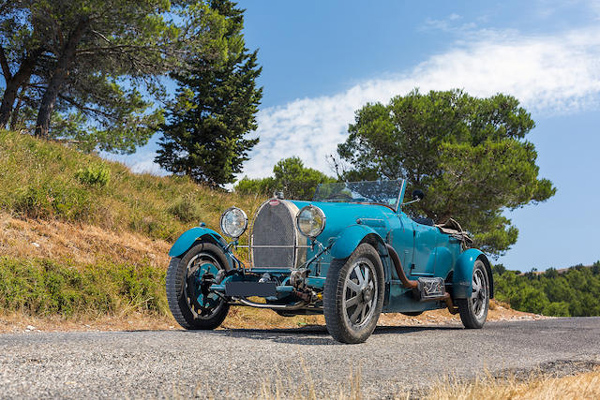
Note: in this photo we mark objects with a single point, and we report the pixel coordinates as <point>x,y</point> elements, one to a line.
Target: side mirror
<point>418,195</point>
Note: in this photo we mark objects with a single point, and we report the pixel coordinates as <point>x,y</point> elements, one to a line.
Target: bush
<point>186,209</point>
<point>94,175</point>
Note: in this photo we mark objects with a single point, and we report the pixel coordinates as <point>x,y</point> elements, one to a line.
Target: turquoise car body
<point>423,251</point>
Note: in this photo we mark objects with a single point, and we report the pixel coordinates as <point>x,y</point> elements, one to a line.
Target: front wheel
<point>353,295</point>
<point>192,307</point>
<point>474,310</point>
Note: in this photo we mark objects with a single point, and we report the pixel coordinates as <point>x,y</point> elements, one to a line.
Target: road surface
<point>249,363</point>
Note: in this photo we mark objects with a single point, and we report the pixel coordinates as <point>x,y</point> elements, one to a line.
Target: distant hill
<point>573,291</point>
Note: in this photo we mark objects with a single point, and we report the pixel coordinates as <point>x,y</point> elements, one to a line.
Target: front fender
<point>189,237</point>
<point>462,278</point>
<point>349,240</point>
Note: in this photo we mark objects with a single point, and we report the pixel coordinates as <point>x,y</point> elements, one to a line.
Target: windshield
<point>380,192</point>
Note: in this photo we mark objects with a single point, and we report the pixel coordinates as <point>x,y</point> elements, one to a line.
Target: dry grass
<point>135,321</point>
<point>238,318</point>
<point>83,244</point>
<point>537,387</point>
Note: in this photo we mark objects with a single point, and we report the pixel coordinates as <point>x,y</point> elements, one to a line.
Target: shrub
<point>94,175</point>
<point>186,209</point>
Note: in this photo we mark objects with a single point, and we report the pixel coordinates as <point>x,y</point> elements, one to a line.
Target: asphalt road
<point>247,363</point>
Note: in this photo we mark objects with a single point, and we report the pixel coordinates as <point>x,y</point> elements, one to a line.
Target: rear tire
<point>474,310</point>
<point>353,295</point>
<point>190,308</point>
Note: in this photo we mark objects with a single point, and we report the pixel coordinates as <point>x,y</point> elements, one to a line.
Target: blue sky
<point>322,60</point>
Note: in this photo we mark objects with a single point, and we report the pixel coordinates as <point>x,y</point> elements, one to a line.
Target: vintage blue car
<point>350,254</point>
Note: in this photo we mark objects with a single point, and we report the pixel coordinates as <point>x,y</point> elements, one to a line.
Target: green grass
<point>47,180</point>
<point>44,287</point>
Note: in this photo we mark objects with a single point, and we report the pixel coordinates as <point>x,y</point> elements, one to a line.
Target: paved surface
<point>242,363</point>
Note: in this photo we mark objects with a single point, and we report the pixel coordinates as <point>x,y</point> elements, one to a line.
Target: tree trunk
<point>14,119</point>
<point>8,100</point>
<point>61,71</point>
<point>13,83</point>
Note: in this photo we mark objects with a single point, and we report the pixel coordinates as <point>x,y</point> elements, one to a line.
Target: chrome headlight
<point>310,221</point>
<point>234,222</point>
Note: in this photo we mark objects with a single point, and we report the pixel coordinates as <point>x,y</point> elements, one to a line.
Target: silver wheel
<point>353,295</point>
<point>360,294</point>
<point>474,310</point>
<point>479,298</point>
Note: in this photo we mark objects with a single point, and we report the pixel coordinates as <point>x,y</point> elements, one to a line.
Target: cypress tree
<point>205,136</point>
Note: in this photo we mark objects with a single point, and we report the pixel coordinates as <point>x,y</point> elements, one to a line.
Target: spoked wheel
<point>473,311</point>
<point>192,306</point>
<point>353,295</point>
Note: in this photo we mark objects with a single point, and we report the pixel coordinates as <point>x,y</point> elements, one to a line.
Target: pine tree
<point>217,100</point>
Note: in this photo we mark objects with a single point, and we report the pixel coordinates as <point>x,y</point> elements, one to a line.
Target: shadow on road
<point>317,334</point>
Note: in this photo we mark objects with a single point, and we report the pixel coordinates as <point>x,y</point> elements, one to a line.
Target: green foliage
<point>469,155</point>
<point>44,287</point>
<point>94,175</point>
<point>261,187</point>
<point>290,176</point>
<point>186,209</point>
<point>574,292</point>
<point>53,198</point>
<point>217,100</point>
<point>88,68</point>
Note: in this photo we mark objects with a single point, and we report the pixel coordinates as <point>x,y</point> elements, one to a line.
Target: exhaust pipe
<point>411,284</point>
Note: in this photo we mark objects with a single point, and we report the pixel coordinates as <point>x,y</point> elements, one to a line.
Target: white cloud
<point>557,74</point>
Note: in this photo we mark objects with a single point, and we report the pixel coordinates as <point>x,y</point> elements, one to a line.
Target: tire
<point>353,297</point>
<point>474,310</point>
<point>190,308</point>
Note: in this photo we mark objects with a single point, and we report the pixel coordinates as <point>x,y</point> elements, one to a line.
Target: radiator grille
<point>274,227</point>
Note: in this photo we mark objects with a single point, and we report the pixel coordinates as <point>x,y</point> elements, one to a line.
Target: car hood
<point>341,215</point>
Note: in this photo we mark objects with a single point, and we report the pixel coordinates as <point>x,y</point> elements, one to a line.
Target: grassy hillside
<point>49,181</point>
<point>84,236</point>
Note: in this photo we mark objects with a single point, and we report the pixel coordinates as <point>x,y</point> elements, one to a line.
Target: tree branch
<point>4,6</point>
<point>5,67</point>
<point>82,107</point>
<point>101,36</point>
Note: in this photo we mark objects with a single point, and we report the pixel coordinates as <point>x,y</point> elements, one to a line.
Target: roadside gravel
<point>245,363</point>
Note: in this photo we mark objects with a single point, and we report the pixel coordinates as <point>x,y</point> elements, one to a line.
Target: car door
<point>424,250</point>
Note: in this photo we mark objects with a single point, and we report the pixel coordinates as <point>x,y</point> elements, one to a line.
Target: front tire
<point>474,310</point>
<point>353,295</point>
<point>189,306</point>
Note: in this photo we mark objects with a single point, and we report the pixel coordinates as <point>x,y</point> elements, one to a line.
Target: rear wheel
<point>192,307</point>
<point>353,295</point>
<point>474,310</point>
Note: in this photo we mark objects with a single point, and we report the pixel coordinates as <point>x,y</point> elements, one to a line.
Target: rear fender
<point>462,278</point>
<point>188,238</point>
